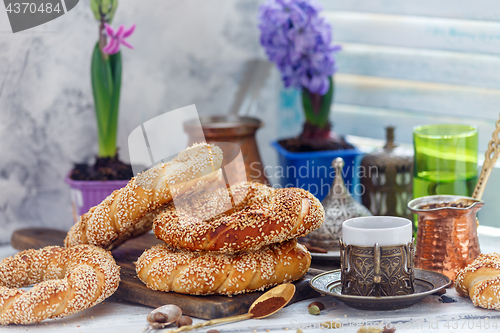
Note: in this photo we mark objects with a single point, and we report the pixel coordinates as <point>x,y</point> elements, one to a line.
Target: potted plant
<point>90,184</point>
<point>299,42</point>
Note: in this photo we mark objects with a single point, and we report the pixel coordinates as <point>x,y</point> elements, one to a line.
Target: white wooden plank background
<point>416,31</point>
<point>417,96</point>
<point>412,62</point>
<point>458,68</point>
<point>370,122</point>
<point>375,120</point>
<point>420,66</point>
<point>461,9</point>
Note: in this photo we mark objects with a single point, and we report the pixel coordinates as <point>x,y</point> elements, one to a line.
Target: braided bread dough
<point>262,217</point>
<point>481,281</point>
<point>125,213</point>
<point>203,273</point>
<point>67,280</point>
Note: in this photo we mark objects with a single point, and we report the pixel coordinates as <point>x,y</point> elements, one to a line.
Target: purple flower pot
<point>86,194</point>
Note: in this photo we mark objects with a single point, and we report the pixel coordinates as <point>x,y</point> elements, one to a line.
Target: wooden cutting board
<point>133,290</point>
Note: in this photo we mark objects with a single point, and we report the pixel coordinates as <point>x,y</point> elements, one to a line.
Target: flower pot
<point>313,171</point>
<point>86,194</point>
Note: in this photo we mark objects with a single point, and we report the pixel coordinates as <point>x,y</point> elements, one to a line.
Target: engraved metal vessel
<point>339,206</point>
<point>388,179</point>
<point>447,236</point>
<point>377,270</point>
<point>235,129</point>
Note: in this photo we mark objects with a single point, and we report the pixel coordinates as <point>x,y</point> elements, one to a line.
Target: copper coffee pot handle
<point>490,159</point>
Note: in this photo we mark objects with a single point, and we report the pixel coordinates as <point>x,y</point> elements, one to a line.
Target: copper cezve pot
<point>447,232</point>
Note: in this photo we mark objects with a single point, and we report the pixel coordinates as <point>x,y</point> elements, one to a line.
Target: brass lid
<point>390,154</point>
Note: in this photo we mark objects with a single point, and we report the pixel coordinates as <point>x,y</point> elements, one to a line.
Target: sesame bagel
<point>67,280</point>
<point>260,216</point>
<point>202,273</point>
<point>481,281</point>
<point>124,213</point>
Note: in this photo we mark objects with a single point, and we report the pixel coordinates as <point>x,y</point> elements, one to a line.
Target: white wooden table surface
<point>430,315</point>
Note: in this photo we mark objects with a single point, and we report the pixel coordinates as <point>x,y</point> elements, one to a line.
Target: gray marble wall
<point>190,51</point>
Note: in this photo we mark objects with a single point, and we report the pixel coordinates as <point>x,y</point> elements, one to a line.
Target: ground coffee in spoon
<point>268,306</point>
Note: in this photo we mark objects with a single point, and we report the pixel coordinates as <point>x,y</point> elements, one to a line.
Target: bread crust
<point>67,280</point>
<point>264,216</point>
<point>201,273</point>
<point>126,212</point>
<point>480,281</point>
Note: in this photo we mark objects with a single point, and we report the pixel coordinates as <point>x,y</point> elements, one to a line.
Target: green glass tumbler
<point>445,160</point>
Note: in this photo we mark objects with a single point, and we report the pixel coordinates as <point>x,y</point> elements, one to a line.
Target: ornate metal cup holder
<point>377,270</point>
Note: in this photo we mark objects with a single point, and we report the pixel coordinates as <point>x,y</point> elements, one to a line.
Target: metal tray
<point>426,283</point>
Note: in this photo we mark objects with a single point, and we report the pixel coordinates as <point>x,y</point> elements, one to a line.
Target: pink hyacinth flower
<point>117,38</point>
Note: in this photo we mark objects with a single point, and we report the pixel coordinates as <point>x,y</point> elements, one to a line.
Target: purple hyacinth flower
<point>116,39</point>
<point>298,41</point>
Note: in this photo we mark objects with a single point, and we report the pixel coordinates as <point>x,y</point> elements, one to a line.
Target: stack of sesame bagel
<point>251,246</point>
<point>217,240</point>
<point>71,279</point>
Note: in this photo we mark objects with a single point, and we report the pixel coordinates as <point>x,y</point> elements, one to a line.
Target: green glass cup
<point>445,160</point>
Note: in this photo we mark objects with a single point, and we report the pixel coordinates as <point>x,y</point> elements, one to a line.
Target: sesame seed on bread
<point>66,280</point>
<point>261,216</point>
<point>481,281</point>
<point>125,213</point>
<point>201,273</point>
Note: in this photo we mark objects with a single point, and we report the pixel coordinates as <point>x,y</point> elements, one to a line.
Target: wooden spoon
<point>284,291</point>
